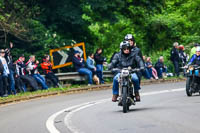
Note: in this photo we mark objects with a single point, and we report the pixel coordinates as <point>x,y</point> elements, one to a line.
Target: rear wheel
<point>188,87</point>
<point>124,99</point>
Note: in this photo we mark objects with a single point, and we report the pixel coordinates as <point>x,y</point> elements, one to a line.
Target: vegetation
<point>35,26</point>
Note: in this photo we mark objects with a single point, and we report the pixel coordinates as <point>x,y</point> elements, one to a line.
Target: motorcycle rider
<point>124,59</point>
<point>195,60</point>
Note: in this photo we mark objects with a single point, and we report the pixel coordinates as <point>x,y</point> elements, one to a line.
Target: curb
<point>83,89</point>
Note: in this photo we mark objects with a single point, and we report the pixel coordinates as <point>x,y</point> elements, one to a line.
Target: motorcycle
<point>193,80</point>
<point>126,97</point>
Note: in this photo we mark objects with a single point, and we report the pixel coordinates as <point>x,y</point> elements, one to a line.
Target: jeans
<point>146,73</point>
<point>40,80</point>
<point>134,79</point>
<point>87,72</point>
<point>12,82</point>
<point>161,71</point>
<point>100,72</point>
<point>150,72</point>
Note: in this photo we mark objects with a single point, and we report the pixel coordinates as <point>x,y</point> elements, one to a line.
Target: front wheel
<point>124,99</point>
<point>188,87</point>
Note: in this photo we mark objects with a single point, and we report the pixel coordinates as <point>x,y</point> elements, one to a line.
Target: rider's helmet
<point>198,49</point>
<point>129,37</point>
<point>124,44</point>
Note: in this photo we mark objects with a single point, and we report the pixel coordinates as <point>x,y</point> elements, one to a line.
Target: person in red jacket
<point>47,68</point>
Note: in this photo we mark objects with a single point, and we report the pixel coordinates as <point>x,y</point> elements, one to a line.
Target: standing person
<point>160,67</point>
<point>99,59</point>
<point>91,65</point>
<point>182,56</point>
<point>6,72</point>
<point>47,68</point>
<point>11,67</point>
<point>1,78</point>
<point>151,69</point>
<point>32,65</point>
<point>80,66</point>
<point>175,58</point>
<point>22,77</point>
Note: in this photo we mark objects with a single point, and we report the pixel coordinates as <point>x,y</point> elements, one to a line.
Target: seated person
<point>160,67</point>
<point>195,60</point>
<point>151,69</point>
<point>90,65</point>
<point>80,66</point>
<point>146,73</point>
<point>47,68</point>
<point>22,78</point>
<point>32,65</point>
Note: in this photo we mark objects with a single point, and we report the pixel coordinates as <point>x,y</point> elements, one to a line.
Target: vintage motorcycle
<point>193,79</point>
<point>126,97</point>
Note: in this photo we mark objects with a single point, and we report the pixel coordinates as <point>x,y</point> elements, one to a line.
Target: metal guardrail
<point>75,76</point>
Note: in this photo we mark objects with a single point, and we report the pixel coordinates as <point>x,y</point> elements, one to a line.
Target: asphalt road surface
<point>164,108</point>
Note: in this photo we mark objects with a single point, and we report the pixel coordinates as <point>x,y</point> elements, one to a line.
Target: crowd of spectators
<point>17,76</point>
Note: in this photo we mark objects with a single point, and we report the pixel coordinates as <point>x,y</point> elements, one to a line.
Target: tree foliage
<point>35,26</point>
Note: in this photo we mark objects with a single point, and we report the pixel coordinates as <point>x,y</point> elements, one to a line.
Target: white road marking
<point>68,122</point>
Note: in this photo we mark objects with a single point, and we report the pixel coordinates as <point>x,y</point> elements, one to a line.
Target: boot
<point>137,96</point>
<point>114,98</point>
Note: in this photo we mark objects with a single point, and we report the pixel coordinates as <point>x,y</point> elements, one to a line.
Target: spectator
<point>32,65</point>
<point>193,50</point>
<point>90,65</point>
<point>1,78</point>
<point>47,68</point>
<point>151,69</point>
<point>99,59</point>
<point>145,72</point>
<point>80,66</point>
<point>6,72</point>
<point>12,68</point>
<point>22,78</point>
<point>160,67</point>
<point>175,58</point>
<point>182,56</point>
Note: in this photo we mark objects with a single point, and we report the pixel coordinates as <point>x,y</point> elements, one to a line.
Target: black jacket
<point>174,55</point>
<point>99,59</point>
<point>9,60</point>
<point>121,60</point>
<point>137,51</point>
<point>159,65</point>
<point>77,63</point>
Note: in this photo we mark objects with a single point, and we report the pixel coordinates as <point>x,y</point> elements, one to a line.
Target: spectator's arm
<point>89,65</point>
<point>76,61</point>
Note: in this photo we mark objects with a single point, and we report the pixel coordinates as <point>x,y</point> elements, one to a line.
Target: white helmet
<point>129,37</point>
<point>124,44</point>
<point>198,49</point>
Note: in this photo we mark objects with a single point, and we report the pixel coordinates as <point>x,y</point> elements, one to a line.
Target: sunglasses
<point>125,48</point>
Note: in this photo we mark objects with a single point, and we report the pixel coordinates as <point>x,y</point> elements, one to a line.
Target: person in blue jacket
<point>91,63</point>
<point>195,60</point>
<point>80,67</point>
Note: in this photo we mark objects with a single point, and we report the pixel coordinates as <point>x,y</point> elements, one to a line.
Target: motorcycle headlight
<point>124,73</point>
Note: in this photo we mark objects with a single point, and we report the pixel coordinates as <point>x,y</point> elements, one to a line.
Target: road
<point>164,108</point>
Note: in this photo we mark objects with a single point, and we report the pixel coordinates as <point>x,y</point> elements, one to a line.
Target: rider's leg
<point>115,88</point>
<point>136,83</point>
